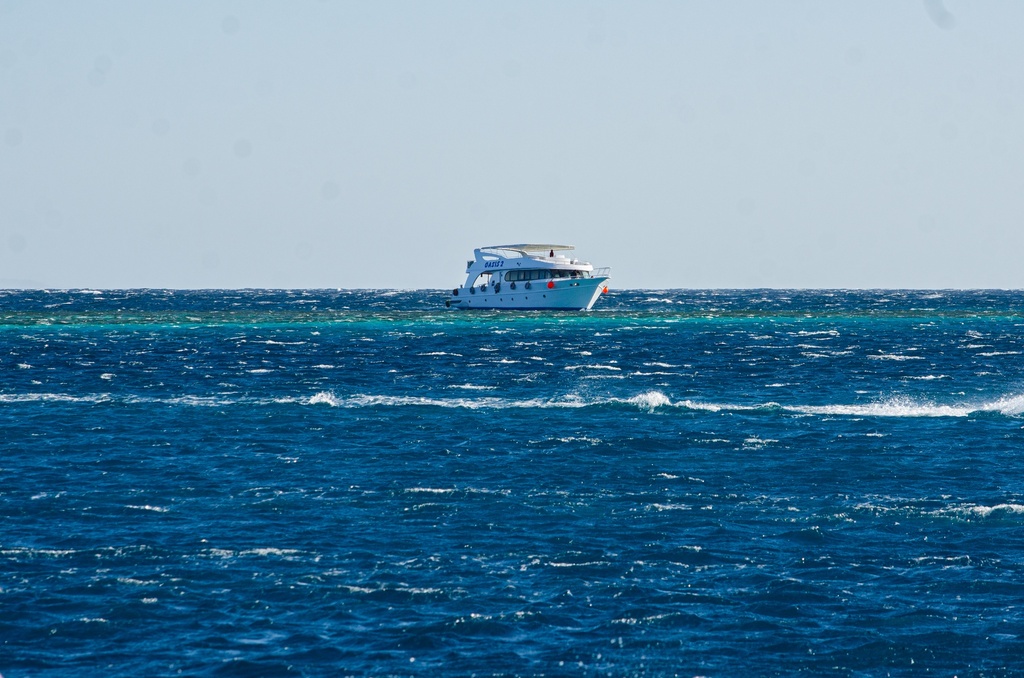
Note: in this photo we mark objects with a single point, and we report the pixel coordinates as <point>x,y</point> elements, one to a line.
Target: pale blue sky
<point>374,144</point>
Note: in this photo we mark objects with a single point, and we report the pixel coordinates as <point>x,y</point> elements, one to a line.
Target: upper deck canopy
<point>530,248</point>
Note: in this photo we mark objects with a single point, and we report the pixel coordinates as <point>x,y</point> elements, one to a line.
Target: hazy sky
<point>375,144</point>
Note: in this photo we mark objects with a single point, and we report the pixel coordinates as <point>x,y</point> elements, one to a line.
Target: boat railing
<point>604,271</point>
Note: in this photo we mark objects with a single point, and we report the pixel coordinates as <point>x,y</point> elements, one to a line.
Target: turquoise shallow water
<point>362,483</point>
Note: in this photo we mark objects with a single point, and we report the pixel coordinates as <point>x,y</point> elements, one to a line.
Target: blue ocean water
<point>250,483</point>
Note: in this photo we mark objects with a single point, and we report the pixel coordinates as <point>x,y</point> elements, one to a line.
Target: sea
<point>363,483</point>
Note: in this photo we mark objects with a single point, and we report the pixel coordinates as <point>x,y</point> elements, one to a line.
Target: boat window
<point>511,276</point>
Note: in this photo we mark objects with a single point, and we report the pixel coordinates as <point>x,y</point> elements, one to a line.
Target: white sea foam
<point>364,400</point>
<point>578,439</point>
<point>898,406</point>
<point>1010,405</point>
<point>269,551</point>
<point>649,400</point>
<point>219,553</point>
<point>484,490</point>
<point>895,407</point>
<point>590,563</point>
<point>24,551</point>
<point>420,590</point>
<point>53,397</point>
<point>671,507</point>
<point>976,511</point>
<point>908,407</point>
<point>191,401</point>
<point>965,511</point>
<point>147,507</point>
<point>698,406</point>
<point>324,398</point>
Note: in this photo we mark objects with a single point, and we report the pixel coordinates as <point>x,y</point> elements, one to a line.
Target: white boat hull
<point>565,295</point>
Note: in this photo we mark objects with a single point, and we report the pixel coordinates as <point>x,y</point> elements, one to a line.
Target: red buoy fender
<point>551,284</point>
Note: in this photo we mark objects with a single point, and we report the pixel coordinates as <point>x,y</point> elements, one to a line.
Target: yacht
<point>529,277</point>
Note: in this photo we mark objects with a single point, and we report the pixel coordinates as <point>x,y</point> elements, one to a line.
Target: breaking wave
<point>1011,405</point>
<point>649,401</point>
